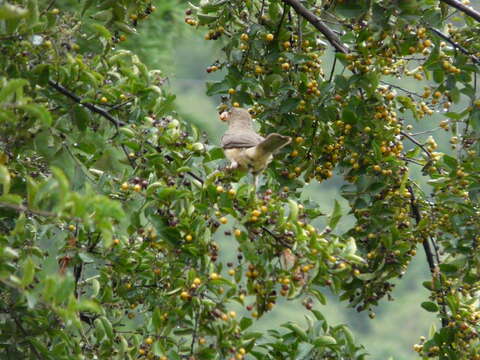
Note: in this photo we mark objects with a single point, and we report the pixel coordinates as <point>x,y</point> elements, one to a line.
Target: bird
<point>244,147</point>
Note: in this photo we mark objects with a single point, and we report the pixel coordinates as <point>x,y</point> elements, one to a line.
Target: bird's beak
<point>224,116</point>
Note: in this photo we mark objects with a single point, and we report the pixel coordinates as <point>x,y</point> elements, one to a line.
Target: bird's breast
<point>249,158</point>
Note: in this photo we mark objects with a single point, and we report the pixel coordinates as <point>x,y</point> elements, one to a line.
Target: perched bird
<point>244,147</point>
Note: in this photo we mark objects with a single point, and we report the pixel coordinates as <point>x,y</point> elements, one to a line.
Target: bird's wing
<point>233,139</point>
<point>273,142</point>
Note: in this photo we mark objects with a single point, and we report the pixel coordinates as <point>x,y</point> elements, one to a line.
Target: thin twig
<point>300,33</point>
<point>319,25</point>
<point>279,27</point>
<point>195,330</point>
<point>119,105</point>
<point>401,88</point>
<point>333,69</point>
<point>426,246</point>
<point>456,45</point>
<point>463,8</point>
<point>26,335</point>
<point>412,139</point>
<point>418,217</point>
<point>277,238</point>
<point>412,161</point>
<point>89,106</point>
<point>426,132</point>
<point>24,209</point>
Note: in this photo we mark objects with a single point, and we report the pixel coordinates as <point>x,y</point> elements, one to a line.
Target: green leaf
<point>320,296</point>
<point>366,276</point>
<point>351,247</point>
<point>31,299</point>
<point>28,272</point>
<point>324,340</point>
<point>448,268</point>
<point>125,27</point>
<point>62,180</point>
<point>430,306</point>
<point>289,105</point>
<point>38,112</point>
<point>301,334</point>
<point>293,206</point>
<point>157,348</point>
<point>4,179</point>
<point>245,323</point>
<point>107,325</point>
<point>10,11</point>
<point>11,88</point>
<point>214,88</point>
<point>86,5</point>
<point>101,30</point>
<point>157,319</point>
<point>335,216</point>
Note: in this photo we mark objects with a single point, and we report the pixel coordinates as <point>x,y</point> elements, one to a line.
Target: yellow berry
<point>188,238</point>
<point>223,220</point>
<point>214,276</point>
<point>269,37</point>
<point>418,76</point>
<point>256,213</point>
<point>137,188</point>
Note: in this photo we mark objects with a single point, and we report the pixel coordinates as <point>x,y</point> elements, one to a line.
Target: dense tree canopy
<point>110,202</point>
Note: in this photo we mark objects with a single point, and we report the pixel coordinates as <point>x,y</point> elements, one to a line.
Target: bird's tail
<point>272,143</point>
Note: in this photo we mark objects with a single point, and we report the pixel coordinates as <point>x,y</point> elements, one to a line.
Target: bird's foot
<point>232,167</point>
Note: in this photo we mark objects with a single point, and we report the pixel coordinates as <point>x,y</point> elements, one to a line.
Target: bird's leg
<point>256,180</point>
<point>233,166</point>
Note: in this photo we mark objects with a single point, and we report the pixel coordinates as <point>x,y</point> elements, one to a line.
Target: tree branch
<point>89,106</point>
<point>98,110</point>
<point>26,335</point>
<point>463,8</point>
<point>21,208</point>
<point>426,246</point>
<point>412,139</point>
<point>319,25</point>
<point>475,59</point>
<point>277,238</point>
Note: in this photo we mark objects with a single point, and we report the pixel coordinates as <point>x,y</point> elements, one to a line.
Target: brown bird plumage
<point>244,147</point>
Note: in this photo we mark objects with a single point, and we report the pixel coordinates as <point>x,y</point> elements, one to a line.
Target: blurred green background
<point>167,43</point>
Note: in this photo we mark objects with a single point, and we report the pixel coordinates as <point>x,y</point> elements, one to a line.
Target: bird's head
<point>236,115</point>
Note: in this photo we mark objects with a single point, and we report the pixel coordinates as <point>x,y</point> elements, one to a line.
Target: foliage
<point>109,202</point>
